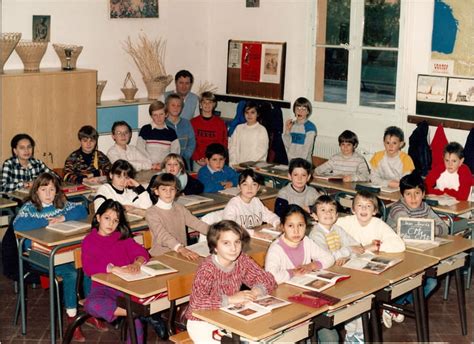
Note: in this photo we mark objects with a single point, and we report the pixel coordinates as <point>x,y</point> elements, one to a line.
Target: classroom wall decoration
<point>445,97</point>
<point>41,28</point>
<point>133,9</point>
<point>256,68</point>
<point>452,38</point>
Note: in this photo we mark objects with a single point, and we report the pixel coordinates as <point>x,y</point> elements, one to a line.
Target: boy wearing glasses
<point>122,150</point>
<point>299,134</point>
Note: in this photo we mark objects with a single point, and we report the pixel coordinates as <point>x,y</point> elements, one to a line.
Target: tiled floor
<point>444,320</point>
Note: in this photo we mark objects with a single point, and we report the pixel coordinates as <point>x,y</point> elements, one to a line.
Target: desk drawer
<point>405,286</point>
<point>446,267</point>
<point>351,310</point>
<point>292,335</point>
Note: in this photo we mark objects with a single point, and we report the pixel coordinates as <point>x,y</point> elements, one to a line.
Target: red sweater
<point>465,182</point>
<point>212,284</point>
<point>207,131</point>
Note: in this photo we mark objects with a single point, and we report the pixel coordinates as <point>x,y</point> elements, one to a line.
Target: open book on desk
<point>329,177</point>
<point>95,185</point>
<point>369,262</point>
<point>150,269</point>
<point>318,280</point>
<point>233,191</point>
<point>131,217</point>
<point>255,309</point>
<point>190,200</point>
<point>270,234</point>
<point>446,200</point>
<point>69,227</point>
<point>201,248</point>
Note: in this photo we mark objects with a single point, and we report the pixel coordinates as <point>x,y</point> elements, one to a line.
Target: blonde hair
<point>174,156</point>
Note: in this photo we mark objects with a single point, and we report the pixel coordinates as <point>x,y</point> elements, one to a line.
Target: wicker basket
<point>100,87</point>
<point>157,86</point>
<point>129,92</point>
<point>61,51</point>
<point>31,54</point>
<point>7,44</point>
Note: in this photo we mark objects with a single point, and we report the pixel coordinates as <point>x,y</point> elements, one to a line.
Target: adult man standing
<point>184,82</point>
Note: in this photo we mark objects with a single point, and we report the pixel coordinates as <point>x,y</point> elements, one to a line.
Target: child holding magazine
<point>220,276</point>
<point>293,254</point>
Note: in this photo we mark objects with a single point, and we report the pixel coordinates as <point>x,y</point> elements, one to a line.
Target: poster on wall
<point>41,28</point>
<point>461,91</point>
<point>133,9</point>
<point>432,89</point>
<point>452,34</point>
<point>250,62</point>
<point>235,53</point>
<point>270,68</point>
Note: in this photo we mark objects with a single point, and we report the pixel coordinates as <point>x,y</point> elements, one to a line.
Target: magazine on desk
<point>255,309</point>
<point>190,200</point>
<point>69,227</point>
<point>150,269</point>
<point>369,262</point>
<point>318,280</point>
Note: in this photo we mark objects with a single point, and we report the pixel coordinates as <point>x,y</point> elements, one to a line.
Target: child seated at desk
<point>220,277</point>
<point>217,175</point>
<point>373,235</point>
<point>109,247</point>
<point>174,164</point>
<point>294,254</point>
<point>156,140</point>
<point>168,220</point>
<point>22,168</point>
<point>123,188</point>
<point>122,133</point>
<point>48,205</point>
<point>208,129</point>
<point>454,178</point>
<point>249,142</point>
<point>247,209</point>
<point>300,133</point>
<point>348,163</point>
<point>87,163</point>
<point>297,191</point>
<point>389,165</point>
<point>328,235</point>
<point>411,204</point>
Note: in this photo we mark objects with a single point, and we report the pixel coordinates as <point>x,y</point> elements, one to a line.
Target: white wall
<point>197,32</point>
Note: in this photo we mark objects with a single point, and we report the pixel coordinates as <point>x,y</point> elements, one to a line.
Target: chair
<point>178,288</point>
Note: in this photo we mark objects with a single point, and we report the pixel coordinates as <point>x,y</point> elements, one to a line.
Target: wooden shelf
<point>446,123</point>
<point>117,102</point>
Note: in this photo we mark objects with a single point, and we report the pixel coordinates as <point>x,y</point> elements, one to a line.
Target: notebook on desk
<point>69,227</point>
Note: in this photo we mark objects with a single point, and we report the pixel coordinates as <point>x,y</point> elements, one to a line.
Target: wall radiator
<point>326,146</point>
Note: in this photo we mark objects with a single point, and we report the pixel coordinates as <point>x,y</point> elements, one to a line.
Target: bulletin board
<point>256,69</point>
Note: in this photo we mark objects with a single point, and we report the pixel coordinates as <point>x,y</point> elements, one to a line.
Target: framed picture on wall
<point>270,68</point>
<point>252,3</point>
<point>432,89</point>
<point>41,28</point>
<point>461,91</point>
<point>133,9</point>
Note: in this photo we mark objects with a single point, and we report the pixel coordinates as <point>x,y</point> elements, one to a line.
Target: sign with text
<point>416,229</point>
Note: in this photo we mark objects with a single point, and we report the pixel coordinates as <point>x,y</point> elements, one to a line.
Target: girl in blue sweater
<point>48,205</point>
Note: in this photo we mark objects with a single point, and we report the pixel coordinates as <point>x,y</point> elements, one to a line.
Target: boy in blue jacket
<point>217,175</point>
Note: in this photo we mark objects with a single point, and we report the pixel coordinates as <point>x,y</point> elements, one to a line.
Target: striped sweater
<point>354,166</point>
<point>157,143</point>
<point>214,283</point>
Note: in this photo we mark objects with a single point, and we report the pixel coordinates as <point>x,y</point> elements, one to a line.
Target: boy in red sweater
<point>454,178</point>
<point>207,129</point>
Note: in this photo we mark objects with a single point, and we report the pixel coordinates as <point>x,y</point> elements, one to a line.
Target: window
<point>357,53</point>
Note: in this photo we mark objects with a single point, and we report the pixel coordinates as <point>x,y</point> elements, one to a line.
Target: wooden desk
<point>268,325</point>
<point>8,205</point>
<point>449,250</point>
<point>55,241</point>
<point>402,278</point>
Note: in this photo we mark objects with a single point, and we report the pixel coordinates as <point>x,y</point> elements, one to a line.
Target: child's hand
<point>57,219</point>
<point>347,179</point>
<point>188,254</point>
<point>288,125</point>
<point>341,261</point>
<point>358,249</point>
<point>313,216</point>
<point>298,271</point>
<point>27,185</point>
<point>242,297</point>
<point>226,185</point>
<point>128,269</point>
<point>394,184</point>
<point>374,247</point>
<point>309,267</point>
<point>132,183</point>
<point>201,162</point>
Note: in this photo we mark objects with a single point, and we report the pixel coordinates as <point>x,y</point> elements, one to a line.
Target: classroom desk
<point>22,196</point>
<point>8,205</point>
<point>404,277</point>
<point>268,325</point>
<point>55,241</point>
<point>443,252</point>
<point>143,289</point>
<point>356,294</point>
